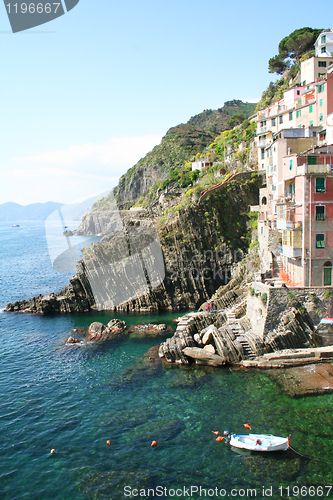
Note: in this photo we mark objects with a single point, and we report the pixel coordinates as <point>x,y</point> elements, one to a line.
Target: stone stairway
<point>276,271</point>
<point>247,350</point>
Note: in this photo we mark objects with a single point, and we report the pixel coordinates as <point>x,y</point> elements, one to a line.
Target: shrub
<point>165,183</point>
<point>251,292</point>
<point>327,294</point>
<point>264,298</point>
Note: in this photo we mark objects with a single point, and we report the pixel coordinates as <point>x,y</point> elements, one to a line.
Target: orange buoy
<point>247,426</point>
<point>108,442</point>
<point>52,451</point>
<point>216,433</point>
<point>154,443</point>
<point>220,438</point>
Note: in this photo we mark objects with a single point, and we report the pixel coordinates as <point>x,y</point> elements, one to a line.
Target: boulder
<point>202,357</point>
<point>197,339</point>
<point>116,326</point>
<point>208,335</point>
<point>210,348</point>
<point>99,332</point>
<point>95,329</point>
<point>72,340</point>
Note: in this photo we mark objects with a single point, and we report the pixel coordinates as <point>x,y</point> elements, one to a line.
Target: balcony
<point>307,169</point>
<point>291,251</point>
<point>288,224</point>
<point>262,143</point>
<point>262,130</point>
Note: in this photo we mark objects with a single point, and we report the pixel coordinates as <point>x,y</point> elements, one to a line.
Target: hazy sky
<point>88,94</point>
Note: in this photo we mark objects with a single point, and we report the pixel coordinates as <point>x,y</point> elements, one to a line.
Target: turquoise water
<point>75,398</point>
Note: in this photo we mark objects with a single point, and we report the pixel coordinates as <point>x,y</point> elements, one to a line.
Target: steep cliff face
<point>199,244</point>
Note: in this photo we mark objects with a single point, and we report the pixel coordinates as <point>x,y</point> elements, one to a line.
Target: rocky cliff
<point>199,244</point>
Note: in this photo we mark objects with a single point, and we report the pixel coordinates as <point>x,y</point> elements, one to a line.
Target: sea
<point>76,398</point>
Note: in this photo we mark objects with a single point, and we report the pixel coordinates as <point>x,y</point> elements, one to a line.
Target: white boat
<point>259,442</point>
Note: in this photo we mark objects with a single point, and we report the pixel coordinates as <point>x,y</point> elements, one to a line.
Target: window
<point>327,268</point>
<point>310,109</point>
<point>320,212</point>
<point>321,116</point>
<point>322,64</point>
<point>311,123</point>
<point>321,75</point>
<point>281,119</point>
<point>320,184</point>
<point>320,240</point>
<point>299,101</point>
<point>291,164</point>
<point>312,160</point>
<point>320,102</point>
<point>323,50</point>
<point>298,113</point>
<point>323,38</point>
<point>262,153</point>
<point>298,92</point>
<point>290,115</point>
<point>322,87</point>
<point>273,122</point>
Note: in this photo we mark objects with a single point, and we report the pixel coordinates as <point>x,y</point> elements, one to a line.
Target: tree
<point>292,47</point>
<point>277,64</point>
<point>235,120</point>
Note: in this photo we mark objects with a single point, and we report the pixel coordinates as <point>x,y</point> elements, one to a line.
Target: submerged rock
<point>149,330</point>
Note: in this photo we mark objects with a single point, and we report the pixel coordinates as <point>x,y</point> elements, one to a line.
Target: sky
<point>87,95</point>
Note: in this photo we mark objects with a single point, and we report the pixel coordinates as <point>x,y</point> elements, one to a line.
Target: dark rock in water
<point>72,340</point>
<point>159,429</point>
<point>67,425</point>
<point>110,485</point>
<point>123,420</point>
<point>304,380</point>
<point>149,330</point>
<point>149,366</point>
<point>98,332</point>
<point>116,325</point>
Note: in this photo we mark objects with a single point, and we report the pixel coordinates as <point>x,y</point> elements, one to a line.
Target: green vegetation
<point>264,298</point>
<point>293,49</point>
<point>171,159</point>
<point>327,294</point>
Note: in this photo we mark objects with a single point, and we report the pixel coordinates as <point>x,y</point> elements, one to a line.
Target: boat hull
<point>259,442</point>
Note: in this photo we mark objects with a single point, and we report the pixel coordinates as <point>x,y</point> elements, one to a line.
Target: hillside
<point>179,145</point>
<point>14,212</point>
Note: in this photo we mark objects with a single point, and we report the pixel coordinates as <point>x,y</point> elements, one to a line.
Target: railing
<point>288,224</point>
<point>262,130</point>
<point>313,169</point>
<point>262,143</point>
<point>291,251</point>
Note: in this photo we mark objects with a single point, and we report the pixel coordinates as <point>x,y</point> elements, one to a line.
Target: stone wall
<point>256,306</point>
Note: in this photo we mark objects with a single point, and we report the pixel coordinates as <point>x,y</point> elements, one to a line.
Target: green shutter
<point>320,185</point>
<point>320,241</point>
<point>312,160</point>
<point>327,276</point>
